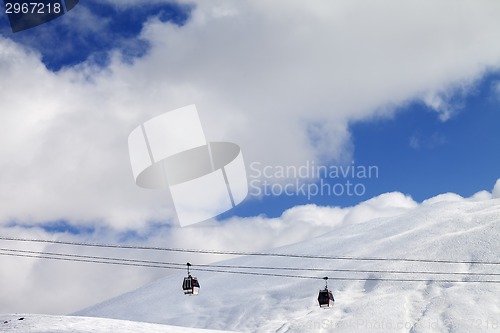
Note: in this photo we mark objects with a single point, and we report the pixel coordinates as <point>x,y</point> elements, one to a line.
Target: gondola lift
<point>190,285</point>
<point>325,296</point>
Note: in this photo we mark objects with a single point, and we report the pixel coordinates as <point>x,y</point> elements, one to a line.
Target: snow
<point>446,227</point>
<point>69,324</point>
<point>457,229</point>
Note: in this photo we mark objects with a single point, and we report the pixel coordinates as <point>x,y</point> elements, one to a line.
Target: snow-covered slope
<point>67,324</point>
<point>459,230</point>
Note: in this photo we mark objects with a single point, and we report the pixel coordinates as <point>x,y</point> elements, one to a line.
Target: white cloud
<point>283,79</point>
<point>481,196</point>
<point>496,190</point>
<point>384,205</point>
<point>445,197</point>
<point>438,104</point>
<point>478,196</point>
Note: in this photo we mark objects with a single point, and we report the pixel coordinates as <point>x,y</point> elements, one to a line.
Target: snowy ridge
<point>456,230</point>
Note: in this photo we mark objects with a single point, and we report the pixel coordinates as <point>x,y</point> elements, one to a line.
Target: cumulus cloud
<point>385,205</point>
<point>495,193</point>
<point>282,79</point>
<point>445,197</point>
<point>481,196</point>
<point>453,197</point>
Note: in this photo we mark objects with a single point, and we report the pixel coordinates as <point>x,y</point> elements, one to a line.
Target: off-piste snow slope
<point>68,324</point>
<point>457,230</point>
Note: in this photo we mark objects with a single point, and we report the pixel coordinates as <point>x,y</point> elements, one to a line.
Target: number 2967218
<point>32,8</point>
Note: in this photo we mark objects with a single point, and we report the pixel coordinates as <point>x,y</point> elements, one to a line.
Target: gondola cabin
<point>191,286</point>
<point>325,298</point>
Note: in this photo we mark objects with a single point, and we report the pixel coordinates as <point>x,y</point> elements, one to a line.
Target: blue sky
<point>459,155</point>
<point>64,42</point>
<point>418,154</point>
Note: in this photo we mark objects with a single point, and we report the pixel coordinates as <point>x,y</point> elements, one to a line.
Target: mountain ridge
<point>462,230</point>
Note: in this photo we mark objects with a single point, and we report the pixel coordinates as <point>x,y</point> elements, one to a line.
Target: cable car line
<point>247,267</point>
<point>241,253</point>
<point>92,257</point>
<point>347,270</point>
<point>88,260</point>
<point>242,272</point>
